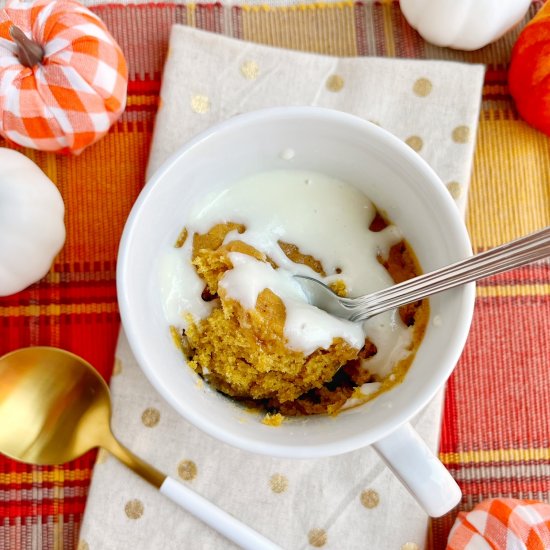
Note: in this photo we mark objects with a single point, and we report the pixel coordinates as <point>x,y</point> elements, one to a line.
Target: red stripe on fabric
<point>208,17</point>
<point>360,28</point>
<point>449,437</point>
<point>44,508</point>
<point>67,483</point>
<point>93,336</point>
<point>512,403</point>
<point>496,74</point>
<point>531,274</point>
<point>237,21</point>
<point>146,6</point>
<point>497,97</point>
<point>409,43</point>
<point>144,87</point>
<point>498,463</point>
<point>506,488</point>
<point>85,267</point>
<point>142,108</point>
<point>379,30</point>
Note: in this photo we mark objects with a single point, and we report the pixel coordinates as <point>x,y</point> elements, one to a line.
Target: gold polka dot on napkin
<point>200,103</point>
<point>334,83</point>
<point>278,483</point>
<point>461,134</point>
<point>415,143</point>
<point>370,498</point>
<point>187,470</point>
<point>250,70</point>
<point>317,537</point>
<point>134,508</point>
<point>150,417</point>
<point>422,87</point>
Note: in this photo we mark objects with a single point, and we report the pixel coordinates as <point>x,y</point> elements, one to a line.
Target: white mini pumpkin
<point>463,24</point>
<point>32,230</point>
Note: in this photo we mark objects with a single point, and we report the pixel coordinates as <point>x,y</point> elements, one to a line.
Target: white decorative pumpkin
<point>463,24</point>
<point>32,230</point>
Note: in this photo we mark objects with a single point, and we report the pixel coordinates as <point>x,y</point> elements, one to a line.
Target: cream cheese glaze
<point>307,328</point>
<point>327,219</point>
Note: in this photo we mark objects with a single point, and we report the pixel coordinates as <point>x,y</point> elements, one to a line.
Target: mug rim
<point>238,440</point>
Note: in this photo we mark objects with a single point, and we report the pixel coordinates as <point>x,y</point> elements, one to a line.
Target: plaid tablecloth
<point>495,436</point>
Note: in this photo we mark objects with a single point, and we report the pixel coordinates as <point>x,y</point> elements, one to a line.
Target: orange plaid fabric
<point>70,99</point>
<point>502,524</point>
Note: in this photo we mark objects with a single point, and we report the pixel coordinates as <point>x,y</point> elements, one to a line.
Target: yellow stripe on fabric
<point>510,189</point>
<point>496,455</point>
<point>495,89</point>
<point>52,476</point>
<point>328,31</point>
<point>56,278</point>
<point>54,310</point>
<point>300,7</point>
<point>140,100</point>
<point>504,291</point>
<point>191,13</point>
<point>388,30</point>
<point>50,167</point>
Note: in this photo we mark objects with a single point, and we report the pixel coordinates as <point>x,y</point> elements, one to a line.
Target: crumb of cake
<point>182,237</point>
<point>358,393</point>
<point>339,287</point>
<point>293,253</point>
<point>275,419</point>
<point>368,350</point>
<point>213,239</point>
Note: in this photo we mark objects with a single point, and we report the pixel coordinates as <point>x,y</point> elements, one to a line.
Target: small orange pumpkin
<point>529,73</point>
<point>63,78</point>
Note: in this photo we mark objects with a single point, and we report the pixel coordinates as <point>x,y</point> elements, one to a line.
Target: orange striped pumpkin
<point>63,78</point>
<point>503,523</point>
<point>529,74</point>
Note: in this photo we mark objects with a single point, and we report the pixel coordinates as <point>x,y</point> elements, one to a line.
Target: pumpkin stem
<point>30,53</point>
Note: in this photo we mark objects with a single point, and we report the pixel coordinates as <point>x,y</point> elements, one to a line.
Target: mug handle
<point>422,473</point>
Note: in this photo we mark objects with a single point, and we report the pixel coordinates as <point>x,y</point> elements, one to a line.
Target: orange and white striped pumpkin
<point>63,78</point>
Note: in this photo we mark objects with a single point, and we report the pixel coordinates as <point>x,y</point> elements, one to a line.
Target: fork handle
<point>530,248</point>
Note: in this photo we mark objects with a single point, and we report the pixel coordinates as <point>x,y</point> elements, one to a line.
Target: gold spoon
<point>54,406</point>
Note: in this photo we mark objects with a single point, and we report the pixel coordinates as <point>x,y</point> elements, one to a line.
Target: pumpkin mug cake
<point>243,322</point>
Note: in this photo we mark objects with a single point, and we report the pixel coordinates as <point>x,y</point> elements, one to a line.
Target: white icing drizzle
<point>327,219</point>
<point>307,328</point>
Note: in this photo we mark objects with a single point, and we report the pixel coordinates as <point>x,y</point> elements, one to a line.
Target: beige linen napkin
<point>344,502</point>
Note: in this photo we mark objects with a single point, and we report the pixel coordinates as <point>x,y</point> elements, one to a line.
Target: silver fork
<point>524,250</point>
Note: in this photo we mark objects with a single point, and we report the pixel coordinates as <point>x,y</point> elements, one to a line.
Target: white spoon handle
<point>215,517</point>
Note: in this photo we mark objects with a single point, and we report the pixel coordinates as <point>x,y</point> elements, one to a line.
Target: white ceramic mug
<point>401,184</point>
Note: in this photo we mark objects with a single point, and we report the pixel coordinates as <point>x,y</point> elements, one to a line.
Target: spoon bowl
<point>54,406</point>
<point>58,406</point>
